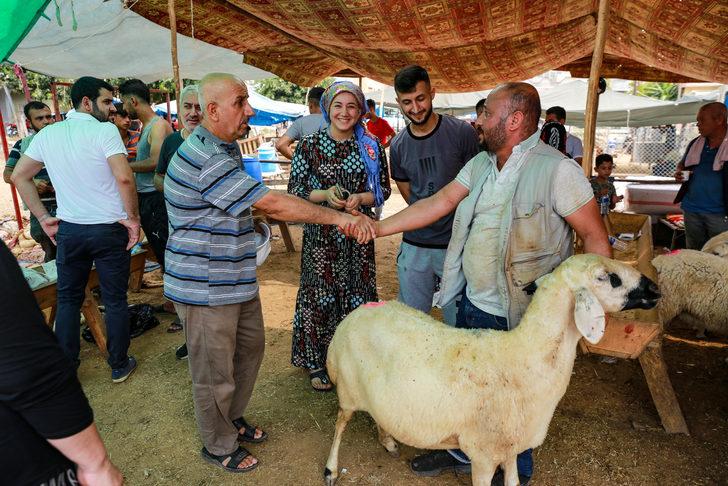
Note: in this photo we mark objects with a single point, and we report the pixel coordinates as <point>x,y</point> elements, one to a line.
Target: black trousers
<point>153,213</point>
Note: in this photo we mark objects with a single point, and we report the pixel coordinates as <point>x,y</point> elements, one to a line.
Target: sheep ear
<point>588,315</point>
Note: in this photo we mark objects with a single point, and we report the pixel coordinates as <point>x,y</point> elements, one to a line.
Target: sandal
<point>323,377</point>
<point>249,434</point>
<point>434,463</point>
<point>176,326</point>
<point>236,458</point>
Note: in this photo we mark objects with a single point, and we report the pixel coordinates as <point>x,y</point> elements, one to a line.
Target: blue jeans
<point>470,317</point>
<point>79,247</point>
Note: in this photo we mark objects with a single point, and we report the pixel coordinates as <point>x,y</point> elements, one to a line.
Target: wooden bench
<point>46,297</point>
<point>637,334</point>
<point>250,145</point>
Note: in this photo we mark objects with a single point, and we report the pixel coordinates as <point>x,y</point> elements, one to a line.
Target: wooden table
<point>638,334</point>
<point>46,298</point>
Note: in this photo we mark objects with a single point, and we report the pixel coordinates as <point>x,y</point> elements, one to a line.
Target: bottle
<point>617,244</point>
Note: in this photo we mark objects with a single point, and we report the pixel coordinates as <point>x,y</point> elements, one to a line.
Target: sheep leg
<point>331,473</point>
<point>483,469</point>
<point>510,472</point>
<point>388,442</point>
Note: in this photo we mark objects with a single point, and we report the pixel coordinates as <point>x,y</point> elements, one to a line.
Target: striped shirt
<point>210,257</point>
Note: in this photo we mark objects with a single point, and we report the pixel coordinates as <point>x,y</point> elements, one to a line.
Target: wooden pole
<point>592,100</point>
<point>175,62</point>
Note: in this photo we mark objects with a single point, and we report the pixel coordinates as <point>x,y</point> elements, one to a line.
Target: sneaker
<point>121,374</point>
<point>181,352</point>
<point>437,462</point>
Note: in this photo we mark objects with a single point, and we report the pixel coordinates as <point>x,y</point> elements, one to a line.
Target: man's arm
<point>425,211</point>
<point>283,145</point>
<point>285,207</point>
<point>404,189</point>
<point>589,226</point>
<point>127,189</point>
<point>7,172</point>
<point>159,132</point>
<point>88,451</point>
<point>22,177</point>
<point>159,182</point>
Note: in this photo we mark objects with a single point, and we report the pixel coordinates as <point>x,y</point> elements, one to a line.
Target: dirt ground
<point>605,431</point>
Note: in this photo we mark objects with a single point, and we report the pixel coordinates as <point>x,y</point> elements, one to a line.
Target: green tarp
<point>17,17</point>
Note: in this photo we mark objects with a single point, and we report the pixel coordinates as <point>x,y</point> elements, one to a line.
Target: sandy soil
<point>605,431</point>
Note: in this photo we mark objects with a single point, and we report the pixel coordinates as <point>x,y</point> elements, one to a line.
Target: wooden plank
<point>625,338</point>
<point>663,395</point>
<point>94,321</point>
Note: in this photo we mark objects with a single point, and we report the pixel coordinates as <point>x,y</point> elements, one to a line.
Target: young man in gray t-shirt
<point>425,157</point>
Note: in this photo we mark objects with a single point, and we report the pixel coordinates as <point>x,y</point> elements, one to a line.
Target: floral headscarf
<point>368,147</point>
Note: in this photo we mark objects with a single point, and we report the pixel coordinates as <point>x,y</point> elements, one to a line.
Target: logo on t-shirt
<point>428,165</point>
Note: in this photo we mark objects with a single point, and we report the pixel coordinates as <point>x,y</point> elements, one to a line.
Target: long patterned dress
<point>337,273</point>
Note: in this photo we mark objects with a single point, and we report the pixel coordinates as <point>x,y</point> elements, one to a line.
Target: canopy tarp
<point>16,19</point>
<point>111,41</point>
<point>615,109</point>
<point>466,45</point>
<point>267,111</point>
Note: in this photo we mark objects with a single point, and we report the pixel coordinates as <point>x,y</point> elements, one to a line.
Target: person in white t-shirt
<point>574,147</point>
<point>97,221</point>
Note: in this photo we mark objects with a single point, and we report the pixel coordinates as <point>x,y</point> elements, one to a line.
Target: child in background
<point>602,182</point>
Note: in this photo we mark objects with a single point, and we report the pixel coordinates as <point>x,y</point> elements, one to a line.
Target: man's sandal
<point>323,377</point>
<point>236,458</point>
<point>249,434</point>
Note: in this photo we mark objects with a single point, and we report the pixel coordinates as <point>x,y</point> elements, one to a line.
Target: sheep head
<point>601,285</point>
<point>717,245</point>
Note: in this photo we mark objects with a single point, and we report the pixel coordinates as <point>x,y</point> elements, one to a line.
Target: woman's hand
<point>353,202</point>
<point>333,199</point>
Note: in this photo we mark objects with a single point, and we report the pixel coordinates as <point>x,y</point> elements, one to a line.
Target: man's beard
<point>495,138</point>
<point>98,114</point>
<point>425,120</point>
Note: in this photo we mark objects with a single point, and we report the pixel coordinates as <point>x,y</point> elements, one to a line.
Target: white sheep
<point>490,393</point>
<point>717,245</point>
<point>694,286</point>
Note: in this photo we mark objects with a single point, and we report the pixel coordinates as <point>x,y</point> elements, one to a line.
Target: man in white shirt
<point>574,147</point>
<point>98,217</point>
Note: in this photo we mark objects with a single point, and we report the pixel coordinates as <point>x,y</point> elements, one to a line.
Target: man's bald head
<point>213,85</point>
<point>521,97</point>
<point>224,101</point>
<point>712,120</point>
<point>716,110</point>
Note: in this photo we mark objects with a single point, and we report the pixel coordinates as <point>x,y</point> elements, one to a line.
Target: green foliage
<point>660,91</point>
<point>40,86</point>
<point>281,90</point>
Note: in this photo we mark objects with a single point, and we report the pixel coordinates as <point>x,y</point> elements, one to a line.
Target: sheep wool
<point>694,285</point>
<point>491,393</point>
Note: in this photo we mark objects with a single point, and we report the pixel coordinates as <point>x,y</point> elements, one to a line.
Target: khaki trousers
<point>225,345</point>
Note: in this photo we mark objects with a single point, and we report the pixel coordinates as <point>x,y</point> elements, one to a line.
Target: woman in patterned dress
<point>344,168</point>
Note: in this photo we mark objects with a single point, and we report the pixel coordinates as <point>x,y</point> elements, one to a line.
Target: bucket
<point>262,243</point>
<point>267,152</point>
<point>253,168</point>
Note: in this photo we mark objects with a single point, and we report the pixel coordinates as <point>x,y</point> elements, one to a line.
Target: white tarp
<point>113,42</point>
<point>615,109</point>
<point>258,102</point>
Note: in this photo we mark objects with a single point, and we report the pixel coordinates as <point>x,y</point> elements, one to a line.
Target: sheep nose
<point>644,296</point>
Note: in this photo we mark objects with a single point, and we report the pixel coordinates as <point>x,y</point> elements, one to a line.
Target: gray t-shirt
<point>145,180</point>
<point>429,163</point>
<point>306,125</point>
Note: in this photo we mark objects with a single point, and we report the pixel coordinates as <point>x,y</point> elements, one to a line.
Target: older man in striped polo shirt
<point>210,265</point>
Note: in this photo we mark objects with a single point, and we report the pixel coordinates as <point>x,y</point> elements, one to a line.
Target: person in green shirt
<point>39,116</point>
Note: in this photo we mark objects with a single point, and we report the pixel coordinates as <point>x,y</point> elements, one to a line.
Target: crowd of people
<point>490,209</point>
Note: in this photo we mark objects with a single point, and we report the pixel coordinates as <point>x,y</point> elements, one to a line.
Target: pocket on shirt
<point>528,238</point>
